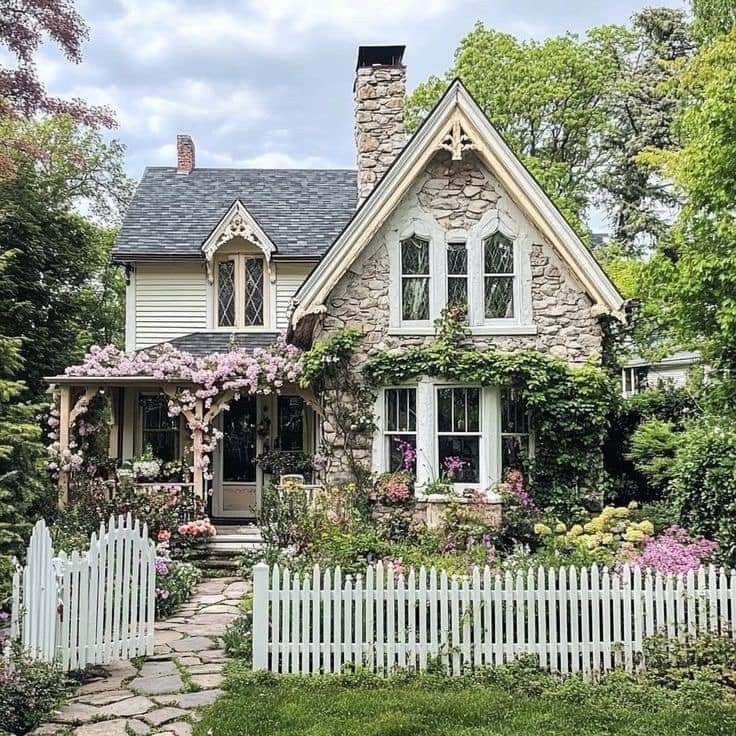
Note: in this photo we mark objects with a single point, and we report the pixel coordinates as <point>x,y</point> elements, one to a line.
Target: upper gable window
<point>241,288</point>
<point>498,277</point>
<point>415,279</point>
<point>457,274</point>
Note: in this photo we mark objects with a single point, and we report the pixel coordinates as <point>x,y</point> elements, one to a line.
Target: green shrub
<point>238,637</point>
<point>703,488</point>
<point>28,692</point>
<point>653,448</point>
<point>175,582</point>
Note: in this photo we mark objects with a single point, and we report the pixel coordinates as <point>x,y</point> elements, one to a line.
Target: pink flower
<point>674,552</point>
<point>164,535</point>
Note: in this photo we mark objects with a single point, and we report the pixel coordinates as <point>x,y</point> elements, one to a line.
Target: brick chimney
<point>184,154</point>
<point>380,88</point>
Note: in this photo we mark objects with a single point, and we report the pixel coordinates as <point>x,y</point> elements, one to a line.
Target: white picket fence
<point>90,608</point>
<point>574,620</point>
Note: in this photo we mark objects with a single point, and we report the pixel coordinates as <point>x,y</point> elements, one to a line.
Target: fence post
<point>260,616</point>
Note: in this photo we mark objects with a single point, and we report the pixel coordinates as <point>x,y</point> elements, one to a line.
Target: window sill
<point>475,330</point>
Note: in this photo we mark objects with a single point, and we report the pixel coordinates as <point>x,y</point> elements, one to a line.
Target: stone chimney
<point>380,88</point>
<point>184,154</point>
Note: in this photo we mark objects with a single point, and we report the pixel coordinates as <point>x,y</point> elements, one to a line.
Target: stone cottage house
<point>224,258</point>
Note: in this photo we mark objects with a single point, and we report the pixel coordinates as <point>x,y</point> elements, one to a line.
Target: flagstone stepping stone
<point>157,669</point>
<point>166,636</point>
<point>138,727</point>
<point>236,590</point>
<point>103,728</point>
<point>192,644</point>
<point>180,728</point>
<point>189,660</point>
<point>217,608</point>
<point>48,729</point>
<point>99,686</point>
<point>157,685</point>
<point>198,699</point>
<point>76,713</point>
<point>206,669</point>
<point>163,715</point>
<point>208,600</point>
<point>207,681</point>
<point>211,587</point>
<point>213,655</point>
<point>133,706</point>
<point>104,698</point>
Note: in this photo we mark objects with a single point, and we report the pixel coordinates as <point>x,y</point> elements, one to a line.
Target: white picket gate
<point>89,608</point>
<point>574,620</point>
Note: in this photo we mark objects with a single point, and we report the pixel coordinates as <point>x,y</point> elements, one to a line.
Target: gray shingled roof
<point>204,343</point>
<point>301,210</point>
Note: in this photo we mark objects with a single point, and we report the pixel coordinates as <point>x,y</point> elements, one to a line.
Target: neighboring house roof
<point>456,124</point>
<point>678,358</point>
<point>301,210</point>
<point>200,344</point>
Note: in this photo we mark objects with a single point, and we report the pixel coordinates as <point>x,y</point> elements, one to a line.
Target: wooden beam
<point>65,404</point>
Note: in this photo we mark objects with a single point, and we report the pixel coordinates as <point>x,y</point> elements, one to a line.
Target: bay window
<point>415,279</point>
<point>399,426</point>
<point>459,432</point>
<point>241,282</point>
<point>498,277</point>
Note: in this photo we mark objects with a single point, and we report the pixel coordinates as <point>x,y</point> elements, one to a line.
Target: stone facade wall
<point>379,122</point>
<point>457,195</point>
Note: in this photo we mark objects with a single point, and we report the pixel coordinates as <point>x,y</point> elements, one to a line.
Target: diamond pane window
<point>226,294</point>
<point>498,277</point>
<point>414,279</point>
<point>253,294</point>
<point>457,273</point>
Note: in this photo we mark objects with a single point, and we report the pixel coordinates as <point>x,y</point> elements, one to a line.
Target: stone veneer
<point>379,121</point>
<point>457,195</point>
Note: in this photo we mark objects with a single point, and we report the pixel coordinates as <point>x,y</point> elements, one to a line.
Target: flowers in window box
<point>394,488</point>
<point>146,467</point>
<point>453,467</point>
<point>285,462</point>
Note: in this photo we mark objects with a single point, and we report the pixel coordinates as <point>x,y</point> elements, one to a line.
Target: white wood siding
<point>289,277</point>
<point>170,300</point>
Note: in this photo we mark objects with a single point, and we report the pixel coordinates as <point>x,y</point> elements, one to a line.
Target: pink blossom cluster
<point>674,552</point>
<point>394,488</point>
<point>408,454</point>
<point>453,466</point>
<point>197,528</point>
<point>514,486</point>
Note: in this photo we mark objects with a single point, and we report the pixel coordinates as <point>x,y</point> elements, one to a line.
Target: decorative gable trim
<point>458,125</point>
<point>237,222</point>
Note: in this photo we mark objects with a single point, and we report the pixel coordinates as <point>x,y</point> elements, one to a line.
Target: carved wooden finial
<point>457,141</point>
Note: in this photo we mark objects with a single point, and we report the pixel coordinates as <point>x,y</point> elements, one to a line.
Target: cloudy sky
<point>269,82</point>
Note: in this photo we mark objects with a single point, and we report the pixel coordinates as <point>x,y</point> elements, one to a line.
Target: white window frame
<point>429,278</point>
<point>466,276</point>
<point>387,435</point>
<point>239,275</point>
<point>529,435</point>
<point>514,276</point>
<point>140,432</point>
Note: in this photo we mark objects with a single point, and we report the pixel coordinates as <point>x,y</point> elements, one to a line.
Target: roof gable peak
<point>236,222</point>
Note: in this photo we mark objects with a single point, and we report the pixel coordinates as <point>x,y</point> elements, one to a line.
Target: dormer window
<point>498,277</point>
<point>241,287</point>
<point>415,279</point>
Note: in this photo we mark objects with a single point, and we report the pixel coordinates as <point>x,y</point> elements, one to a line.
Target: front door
<point>235,488</point>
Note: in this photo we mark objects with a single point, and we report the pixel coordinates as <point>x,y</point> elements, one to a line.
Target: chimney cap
<point>380,56</point>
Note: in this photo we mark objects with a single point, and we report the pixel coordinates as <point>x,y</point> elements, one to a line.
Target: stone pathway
<point>160,695</point>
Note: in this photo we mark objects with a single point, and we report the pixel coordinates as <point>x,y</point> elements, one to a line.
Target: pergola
<point>75,393</point>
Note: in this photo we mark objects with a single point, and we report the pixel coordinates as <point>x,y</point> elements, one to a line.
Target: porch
<point>218,436</point>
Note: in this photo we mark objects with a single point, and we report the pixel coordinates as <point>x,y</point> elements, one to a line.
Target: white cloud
<point>267,160</point>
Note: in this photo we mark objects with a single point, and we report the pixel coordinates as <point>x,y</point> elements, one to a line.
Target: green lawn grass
<point>324,707</point>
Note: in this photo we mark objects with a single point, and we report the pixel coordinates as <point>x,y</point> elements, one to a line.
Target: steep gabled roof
<point>456,124</point>
<point>301,211</point>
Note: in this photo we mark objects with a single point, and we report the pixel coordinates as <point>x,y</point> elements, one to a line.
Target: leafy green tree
<point>689,286</point>
<point>713,18</point>
<point>642,105</point>
<point>58,291</point>
<point>548,99</point>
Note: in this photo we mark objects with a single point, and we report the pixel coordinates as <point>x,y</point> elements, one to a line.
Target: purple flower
<point>162,566</point>
<point>453,466</point>
<point>674,552</point>
<point>408,454</point>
